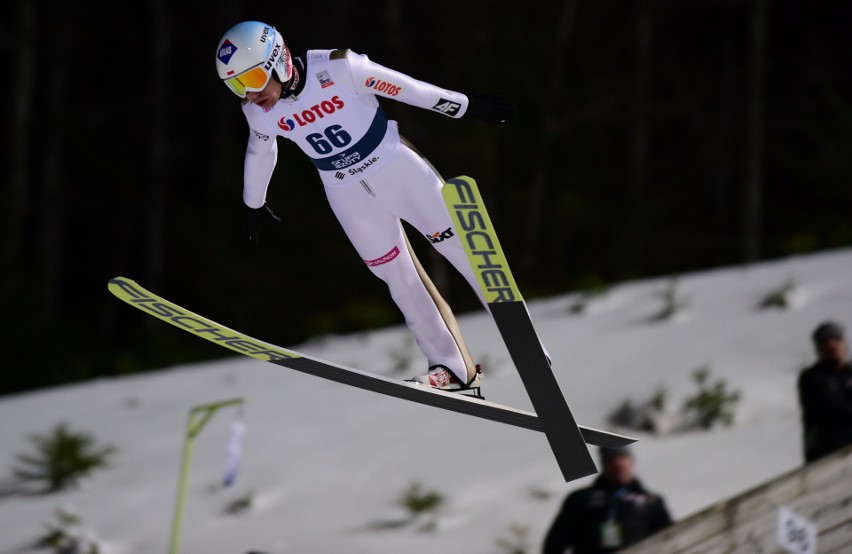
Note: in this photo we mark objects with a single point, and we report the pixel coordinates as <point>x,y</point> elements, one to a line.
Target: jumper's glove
<point>256,216</point>
<point>496,107</point>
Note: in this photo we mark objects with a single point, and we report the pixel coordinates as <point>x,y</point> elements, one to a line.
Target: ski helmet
<point>247,55</point>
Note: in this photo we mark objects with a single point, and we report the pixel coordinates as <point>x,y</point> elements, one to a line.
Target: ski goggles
<point>254,79</point>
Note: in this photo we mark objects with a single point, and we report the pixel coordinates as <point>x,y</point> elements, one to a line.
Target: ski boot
<point>440,377</point>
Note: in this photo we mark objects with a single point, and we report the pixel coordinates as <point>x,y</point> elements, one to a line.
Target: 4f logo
<point>447,106</point>
<point>441,236</point>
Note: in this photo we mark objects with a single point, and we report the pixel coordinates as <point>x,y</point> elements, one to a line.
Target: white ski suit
<point>371,177</point>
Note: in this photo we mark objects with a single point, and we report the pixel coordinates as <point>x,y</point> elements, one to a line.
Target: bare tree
<point>721,144</point>
<point>50,213</point>
<point>551,128</point>
<point>159,145</point>
<point>754,131</point>
<point>639,136</point>
<point>14,202</point>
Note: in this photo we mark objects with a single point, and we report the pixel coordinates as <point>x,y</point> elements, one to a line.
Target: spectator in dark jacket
<point>615,512</point>
<point>825,394</point>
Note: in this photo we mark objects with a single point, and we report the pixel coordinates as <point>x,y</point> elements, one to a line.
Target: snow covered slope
<point>326,464</point>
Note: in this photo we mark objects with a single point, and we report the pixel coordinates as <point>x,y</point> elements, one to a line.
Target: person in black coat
<point>825,394</point>
<point>615,512</point>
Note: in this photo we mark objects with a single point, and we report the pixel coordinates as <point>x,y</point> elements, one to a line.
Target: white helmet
<point>247,54</point>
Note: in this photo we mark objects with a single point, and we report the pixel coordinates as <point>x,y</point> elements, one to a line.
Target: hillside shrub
<point>714,402</point>
<point>421,504</point>
<point>673,303</point>
<point>66,536</point>
<point>61,458</point>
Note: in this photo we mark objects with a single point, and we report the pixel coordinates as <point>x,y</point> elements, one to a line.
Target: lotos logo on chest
<point>286,124</point>
<point>317,111</point>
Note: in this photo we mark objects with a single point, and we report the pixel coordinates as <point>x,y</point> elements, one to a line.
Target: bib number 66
<point>332,137</point>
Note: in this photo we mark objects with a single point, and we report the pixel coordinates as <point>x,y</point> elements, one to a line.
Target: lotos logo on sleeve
<point>382,86</point>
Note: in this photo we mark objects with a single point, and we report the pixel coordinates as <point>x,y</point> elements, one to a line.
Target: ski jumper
<point>372,177</point>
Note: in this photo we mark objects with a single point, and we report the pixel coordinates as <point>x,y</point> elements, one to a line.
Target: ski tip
<point>117,283</point>
<point>462,178</point>
<point>463,181</point>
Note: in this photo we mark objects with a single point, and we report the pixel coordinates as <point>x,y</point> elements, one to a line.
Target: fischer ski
<point>134,294</point>
<point>509,311</point>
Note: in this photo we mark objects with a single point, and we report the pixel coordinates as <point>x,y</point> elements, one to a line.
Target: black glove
<point>256,216</point>
<point>496,107</point>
